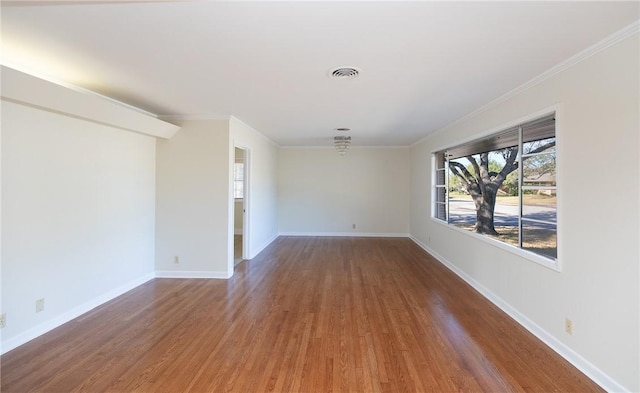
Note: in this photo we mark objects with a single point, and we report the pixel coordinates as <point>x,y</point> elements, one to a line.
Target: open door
<point>239,205</point>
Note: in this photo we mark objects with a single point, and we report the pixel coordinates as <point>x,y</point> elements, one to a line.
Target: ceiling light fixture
<point>344,72</point>
<point>342,144</point>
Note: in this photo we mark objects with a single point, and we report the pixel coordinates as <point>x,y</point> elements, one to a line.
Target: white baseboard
<point>265,245</point>
<point>345,234</point>
<point>591,371</point>
<point>75,312</point>
<point>191,274</point>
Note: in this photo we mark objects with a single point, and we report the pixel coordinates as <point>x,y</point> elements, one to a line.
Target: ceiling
<point>423,64</point>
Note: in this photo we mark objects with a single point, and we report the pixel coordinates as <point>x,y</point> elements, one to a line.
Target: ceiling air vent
<point>344,72</point>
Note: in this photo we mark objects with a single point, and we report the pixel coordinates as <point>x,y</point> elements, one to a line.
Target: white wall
<point>321,192</point>
<point>194,214</point>
<point>78,217</point>
<point>261,198</point>
<point>192,201</point>
<point>598,187</point>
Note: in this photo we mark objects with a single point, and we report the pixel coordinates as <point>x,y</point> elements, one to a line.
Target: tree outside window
<point>503,186</point>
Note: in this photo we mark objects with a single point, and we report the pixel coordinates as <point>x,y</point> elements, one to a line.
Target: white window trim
<point>552,264</point>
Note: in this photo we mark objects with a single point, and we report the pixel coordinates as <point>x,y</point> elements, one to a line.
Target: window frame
<point>238,180</point>
<point>549,262</point>
<point>437,186</point>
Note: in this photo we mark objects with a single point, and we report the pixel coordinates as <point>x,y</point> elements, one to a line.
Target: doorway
<point>239,204</point>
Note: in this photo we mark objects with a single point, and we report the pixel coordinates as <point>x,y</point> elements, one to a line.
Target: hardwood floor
<point>306,315</point>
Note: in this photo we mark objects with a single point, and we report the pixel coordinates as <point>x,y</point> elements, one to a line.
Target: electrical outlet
<point>353,226</point>
<point>3,320</point>
<point>176,259</point>
<point>40,305</point>
<point>568,326</point>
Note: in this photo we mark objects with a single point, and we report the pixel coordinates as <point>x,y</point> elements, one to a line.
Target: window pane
<point>462,211</point>
<point>440,197</point>
<point>540,238</point>
<point>539,222</point>
<point>441,211</point>
<point>440,177</point>
<point>495,142</point>
<point>238,183</point>
<point>238,171</point>
<point>238,189</point>
<point>539,170</point>
<point>456,170</point>
<point>440,160</point>
<point>441,194</point>
<point>506,213</point>
<point>539,205</point>
<point>543,130</point>
<point>547,145</point>
<point>440,203</point>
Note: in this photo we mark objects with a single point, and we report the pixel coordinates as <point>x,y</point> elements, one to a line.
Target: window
<point>238,180</point>
<point>502,186</point>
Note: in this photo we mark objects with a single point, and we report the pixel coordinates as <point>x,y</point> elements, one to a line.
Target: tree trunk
<point>485,207</point>
<point>484,220</point>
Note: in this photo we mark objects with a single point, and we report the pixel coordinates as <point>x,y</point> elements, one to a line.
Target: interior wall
<point>192,201</point>
<point>321,192</point>
<point>78,217</point>
<point>261,194</point>
<point>598,184</point>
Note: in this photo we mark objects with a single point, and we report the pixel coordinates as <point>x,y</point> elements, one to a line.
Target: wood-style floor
<point>306,315</point>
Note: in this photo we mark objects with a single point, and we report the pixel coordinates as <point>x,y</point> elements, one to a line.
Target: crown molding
<point>594,49</point>
<point>193,117</point>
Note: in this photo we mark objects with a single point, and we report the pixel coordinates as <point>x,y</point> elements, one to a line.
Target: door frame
<point>246,203</point>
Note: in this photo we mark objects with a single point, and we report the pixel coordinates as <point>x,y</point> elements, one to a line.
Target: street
<point>463,211</point>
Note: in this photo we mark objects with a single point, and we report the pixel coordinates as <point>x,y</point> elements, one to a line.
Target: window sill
<point>552,264</point>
